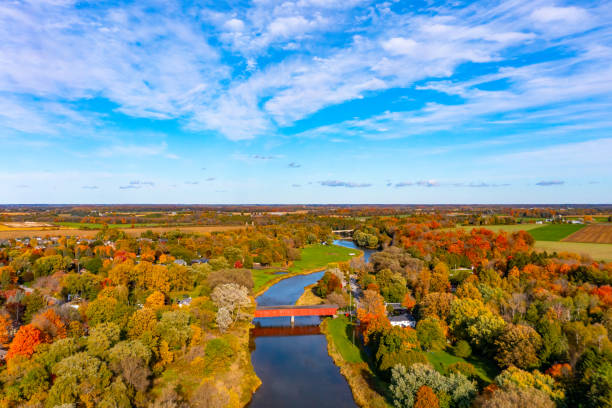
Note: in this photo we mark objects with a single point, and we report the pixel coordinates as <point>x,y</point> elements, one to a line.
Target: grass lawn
<point>596,251</point>
<point>318,256</point>
<point>486,370</point>
<point>263,276</point>
<point>339,328</point>
<point>554,232</point>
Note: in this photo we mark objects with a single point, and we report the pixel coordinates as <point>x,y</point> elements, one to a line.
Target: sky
<point>305,101</point>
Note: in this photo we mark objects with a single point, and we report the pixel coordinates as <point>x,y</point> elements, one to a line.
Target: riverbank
<point>309,298</point>
<point>314,258</point>
<point>367,391</point>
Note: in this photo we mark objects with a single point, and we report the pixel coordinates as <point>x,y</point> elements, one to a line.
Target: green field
<point>87,225</point>
<point>339,329</point>
<point>261,277</point>
<point>554,232</point>
<point>318,256</point>
<point>595,251</point>
<point>486,370</point>
<point>313,258</point>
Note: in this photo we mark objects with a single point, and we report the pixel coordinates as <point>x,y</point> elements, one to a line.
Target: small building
<point>403,320</point>
<point>184,302</point>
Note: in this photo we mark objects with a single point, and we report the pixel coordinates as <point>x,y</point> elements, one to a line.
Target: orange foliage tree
<point>426,398</point>
<point>25,342</point>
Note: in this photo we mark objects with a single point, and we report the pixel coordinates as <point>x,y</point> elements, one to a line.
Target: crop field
<point>554,232</point>
<point>508,228</point>
<point>598,234</point>
<point>595,251</point>
<point>88,225</point>
<point>133,232</point>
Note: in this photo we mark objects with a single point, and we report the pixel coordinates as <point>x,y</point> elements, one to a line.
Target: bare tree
<point>232,297</point>
<point>224,319</point>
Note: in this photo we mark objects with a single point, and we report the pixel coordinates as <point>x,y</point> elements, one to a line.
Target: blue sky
<point>305,101</point>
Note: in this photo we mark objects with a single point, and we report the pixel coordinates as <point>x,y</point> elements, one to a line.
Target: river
<point>292,362</point>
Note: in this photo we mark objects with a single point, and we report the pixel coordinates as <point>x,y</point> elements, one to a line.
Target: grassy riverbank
<point>309,298</point>
<point>313,258</point>
<point>221,359</point>
<point>367,389</point>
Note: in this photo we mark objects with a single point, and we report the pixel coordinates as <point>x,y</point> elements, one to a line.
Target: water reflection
<point>292,362</point>
<point>348,243</point>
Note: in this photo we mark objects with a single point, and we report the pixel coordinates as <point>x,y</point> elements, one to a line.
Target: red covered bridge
<point>292,311</point>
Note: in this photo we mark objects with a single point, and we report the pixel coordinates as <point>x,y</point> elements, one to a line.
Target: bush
<point>462,349</point>
<point>219,355</point>
<point>464,368</point>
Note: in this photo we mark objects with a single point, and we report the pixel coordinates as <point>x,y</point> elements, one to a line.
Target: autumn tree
<point>426,398</point>
<point>5,325</point>
<point>25,341</point>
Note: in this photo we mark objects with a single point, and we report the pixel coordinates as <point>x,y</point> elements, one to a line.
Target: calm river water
<point>292,362</point>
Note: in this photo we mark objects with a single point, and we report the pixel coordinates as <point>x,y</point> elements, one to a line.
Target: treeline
<point>484,299</point>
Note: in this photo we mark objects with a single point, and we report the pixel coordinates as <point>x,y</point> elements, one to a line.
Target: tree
<point>142,321</point>
<point>79,378</point>
<point>232,297</point>
<point>155,300</point>
<point>33,302</point>
<point>431,334</point>
<point>224,319</point>
<point>242,277</point>
<point>515,377</point>
<point>405,383</point>
<point>471,319</point>
<point>440,278</point>
<point>518,345</point>
<point>102,338</point>
<point>337,299</point>
<point>514,397</point>
<point>426,398</point>
<point>173,328</point>
<point>25,341</point>
<point>5,325</point>
<point>436,305</point>
<point>462,349</point>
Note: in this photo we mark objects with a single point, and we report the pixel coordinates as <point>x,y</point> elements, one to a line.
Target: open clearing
<point>596,251</point>
<point>599,234</point>
<point>554,232</point>
<point>133,232</point>
<point>318,256</point>
<point>485,369</point>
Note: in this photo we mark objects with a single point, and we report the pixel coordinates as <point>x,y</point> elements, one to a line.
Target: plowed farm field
<point>598,234</point>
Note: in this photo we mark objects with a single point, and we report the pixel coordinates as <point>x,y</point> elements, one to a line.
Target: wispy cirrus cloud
<point>90,187</point>
<point>348,184</point>
<point>137,184</point>
<point>548,183</point>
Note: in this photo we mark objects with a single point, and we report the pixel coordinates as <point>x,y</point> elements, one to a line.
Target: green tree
<point>79,378</point>
<point>431,334</point>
